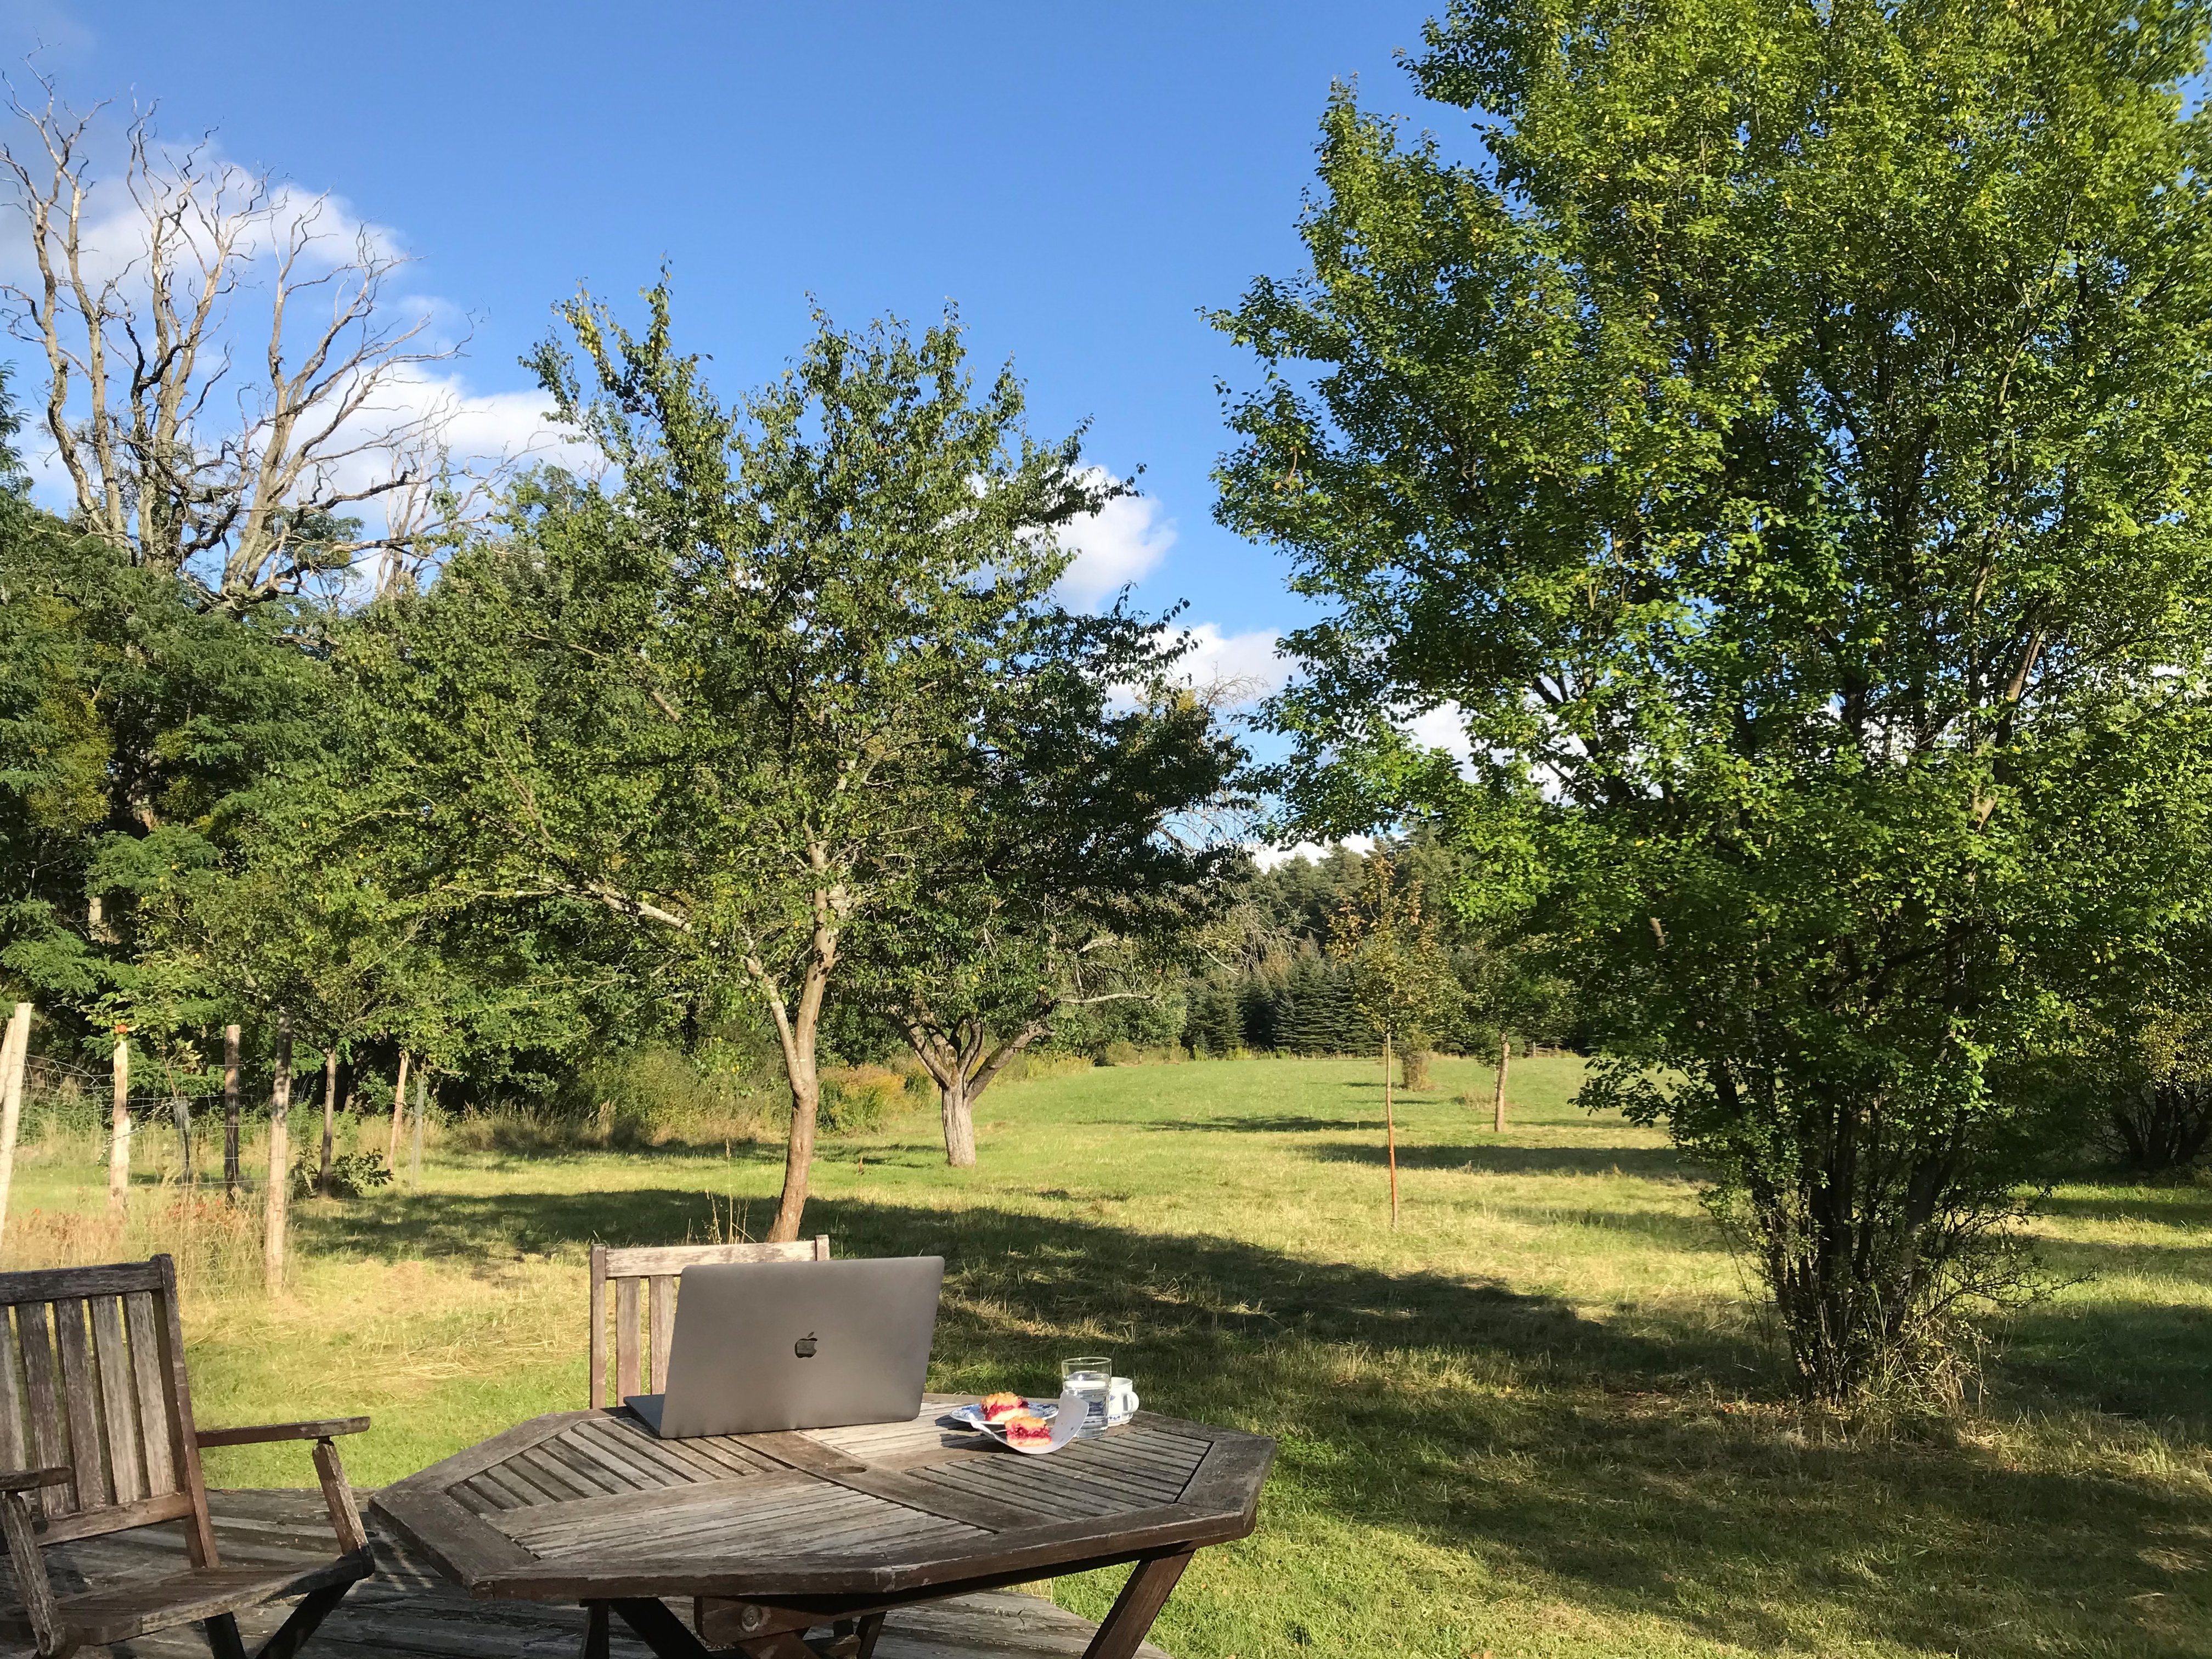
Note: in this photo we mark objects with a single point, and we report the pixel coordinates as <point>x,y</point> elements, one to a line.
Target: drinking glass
<point>1087,1377</point>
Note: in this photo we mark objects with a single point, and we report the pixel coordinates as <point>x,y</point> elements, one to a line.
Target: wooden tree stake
<point>118,1131</point>
<point>421,1105</point>
<point>14,1058</point>
<point>280,1161</point>
<point>1390,1129</point>
<point>398,1105</point>
<point>230,1114</point>
<point>1498,1095</point>
<point>330,1112</point>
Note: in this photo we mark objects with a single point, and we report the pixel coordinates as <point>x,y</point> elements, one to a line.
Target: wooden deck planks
<point>410,1611</point>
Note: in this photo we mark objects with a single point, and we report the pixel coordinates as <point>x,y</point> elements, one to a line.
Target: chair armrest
<point>315,1428</point>
<point>25,1479</point>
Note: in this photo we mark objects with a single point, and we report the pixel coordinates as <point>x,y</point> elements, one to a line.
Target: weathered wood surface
<point>411,1610</point>
<point>592,1504</point>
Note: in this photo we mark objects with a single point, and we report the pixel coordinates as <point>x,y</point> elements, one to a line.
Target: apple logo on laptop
<point>805,1346</point>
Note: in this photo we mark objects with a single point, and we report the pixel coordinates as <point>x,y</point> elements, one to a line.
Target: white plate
<point>1063,1426</point>
<point>973,1415</point>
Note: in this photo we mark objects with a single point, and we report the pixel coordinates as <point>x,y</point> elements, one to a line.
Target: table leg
<point>1138,1605</point>
<point>595,1630</point>
<point>659,1629</point>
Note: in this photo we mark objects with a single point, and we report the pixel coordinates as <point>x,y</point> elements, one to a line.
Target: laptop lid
<point>765,1346</point>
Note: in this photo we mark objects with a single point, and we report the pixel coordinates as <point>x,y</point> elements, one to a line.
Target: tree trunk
<point>330,1112</point>
<point>1390,1129</point>
<point>280,1160</point>
<point>399,1105</point>
<point>421,1106</point>
<point>796,1030</point>
<point>959,1111</point>
<point>15,1056</point>
<point>1497,1094</point>
<point>963,1065</point>
<point>230,1114</point>
<point>799,1150</point>
<point>118,1133</point>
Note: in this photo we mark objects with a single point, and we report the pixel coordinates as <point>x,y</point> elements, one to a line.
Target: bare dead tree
<point>246,483</point>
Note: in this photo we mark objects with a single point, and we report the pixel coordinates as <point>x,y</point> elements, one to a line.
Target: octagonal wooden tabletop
<point>586,1505</point>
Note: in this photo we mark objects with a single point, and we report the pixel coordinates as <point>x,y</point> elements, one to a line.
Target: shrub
<point>353,1175</point>
<point>856,1099</point>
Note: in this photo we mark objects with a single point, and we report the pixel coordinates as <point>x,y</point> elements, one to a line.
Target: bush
<point>2161,1125</point>
<point>1128,1053</point>
<point>353,1175</point>
<point>856,1099</point>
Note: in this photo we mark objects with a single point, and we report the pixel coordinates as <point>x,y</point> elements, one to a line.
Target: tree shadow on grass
<point>2172,1206</point>
<point>2150,1361</point>
<point>1247,1125</point>
<point>1570,1457</point>
<point>1645,1162</point>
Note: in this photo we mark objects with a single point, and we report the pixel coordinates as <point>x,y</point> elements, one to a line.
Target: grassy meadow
<point>1536,1419</point>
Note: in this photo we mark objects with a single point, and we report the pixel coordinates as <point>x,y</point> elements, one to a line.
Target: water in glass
<point>1087,1377</point>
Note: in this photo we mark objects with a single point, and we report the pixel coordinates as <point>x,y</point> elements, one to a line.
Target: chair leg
<point>292,1635</point>
<point>222,1641</point>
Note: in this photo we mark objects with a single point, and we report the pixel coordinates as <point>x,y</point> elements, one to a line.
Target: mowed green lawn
<point>1534,1419</point>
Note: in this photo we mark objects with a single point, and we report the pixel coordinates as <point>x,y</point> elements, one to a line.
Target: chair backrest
<point>660,1264</point>
<point>92,1379</point>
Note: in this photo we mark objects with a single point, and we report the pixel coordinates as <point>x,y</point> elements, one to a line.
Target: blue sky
<point>1083,181</point>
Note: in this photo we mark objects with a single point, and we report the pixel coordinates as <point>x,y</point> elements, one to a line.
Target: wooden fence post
<point>15,1056</point>
<point>329,1111</point>
<point>181,1114</point>
<point>398,1105</point>
<point>230,1114</point>
<point>118,1129</point>
<point>280,1160</point>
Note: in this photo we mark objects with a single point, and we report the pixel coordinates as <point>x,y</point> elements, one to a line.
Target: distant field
<point>1535,1420</point>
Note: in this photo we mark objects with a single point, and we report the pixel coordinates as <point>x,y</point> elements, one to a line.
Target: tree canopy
<point>1786,450</point>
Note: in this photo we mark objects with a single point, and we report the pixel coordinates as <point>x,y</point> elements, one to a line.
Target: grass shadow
<point>1645,1163</point>
<point>1493,1427</point>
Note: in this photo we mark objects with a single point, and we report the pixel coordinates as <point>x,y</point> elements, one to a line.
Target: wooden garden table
<point>770,1535</point>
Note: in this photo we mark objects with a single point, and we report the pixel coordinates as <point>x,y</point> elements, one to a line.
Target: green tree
<point>725,696</point>
<point>1069,874</point>
<point>1402,980</point>
<point>1786,449</point>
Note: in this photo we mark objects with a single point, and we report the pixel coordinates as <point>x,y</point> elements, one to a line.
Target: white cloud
<point>1119,545</point>
<point>1444,727</point>
<point>1313,852</point>
<point>1241,667</point>
<point>421,408</point>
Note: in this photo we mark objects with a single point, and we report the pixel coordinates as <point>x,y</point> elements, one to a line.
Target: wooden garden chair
<point>631,1270</point>
<point>97,1436</point>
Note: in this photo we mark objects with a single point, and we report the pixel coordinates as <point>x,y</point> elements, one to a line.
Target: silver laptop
<point>761,1345</point>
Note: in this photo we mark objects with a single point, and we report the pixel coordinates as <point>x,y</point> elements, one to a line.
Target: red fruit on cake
<point>1027,1429</point>
<point>997,1407</point>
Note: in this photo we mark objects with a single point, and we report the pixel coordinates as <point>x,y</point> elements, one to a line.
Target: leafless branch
<point>134,313</point>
